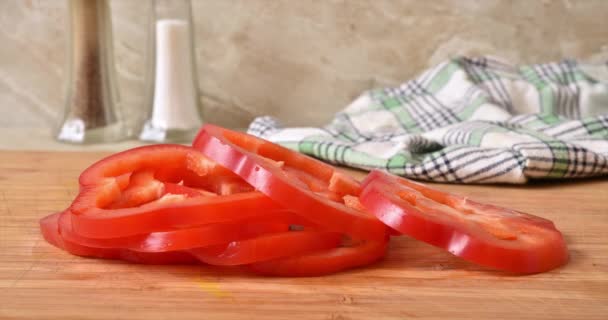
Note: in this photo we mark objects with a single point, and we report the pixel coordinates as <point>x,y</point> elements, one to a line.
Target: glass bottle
<point>92,111</point>
<point>173,111</point>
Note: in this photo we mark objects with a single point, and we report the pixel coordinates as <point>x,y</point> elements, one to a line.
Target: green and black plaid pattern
<point>468,121</point>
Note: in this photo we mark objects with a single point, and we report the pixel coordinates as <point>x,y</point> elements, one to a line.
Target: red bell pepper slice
<point>49,227</point>
<point>267,247</point>
<point>125,194</point>
<point>488,235</point>
<point>184,239</point>
<point>323,262</point>
<point>305,185</point>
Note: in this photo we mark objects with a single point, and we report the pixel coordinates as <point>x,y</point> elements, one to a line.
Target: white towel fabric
<point>470,120</point>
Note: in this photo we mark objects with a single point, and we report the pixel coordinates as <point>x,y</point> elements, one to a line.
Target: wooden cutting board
<point>414,281</point>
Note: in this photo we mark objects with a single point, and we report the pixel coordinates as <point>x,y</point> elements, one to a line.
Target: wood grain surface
<point>414,281</point>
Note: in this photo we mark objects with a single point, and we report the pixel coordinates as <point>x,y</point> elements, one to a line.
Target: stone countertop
<point>300,61</point>
<point>36,139</point>
<point>43,140</point>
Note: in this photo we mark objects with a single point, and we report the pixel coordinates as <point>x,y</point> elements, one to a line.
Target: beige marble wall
<point>296,59</point>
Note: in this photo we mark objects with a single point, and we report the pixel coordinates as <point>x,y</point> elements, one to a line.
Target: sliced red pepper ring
<point>184,239</point>
<point>264,247</point>
<point>49,227</point>
<point>323,262</point>
<point>354,202</point>
<point>186,192</point>
<point>436,195</point>
<point>267,247</point>
<point>303,184</point>
<point>138,177</point>
<point>487,235</point>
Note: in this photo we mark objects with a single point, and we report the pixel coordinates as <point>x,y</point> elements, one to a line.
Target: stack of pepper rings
<point>234,199</point>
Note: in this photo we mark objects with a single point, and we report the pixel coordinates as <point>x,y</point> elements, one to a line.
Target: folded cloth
<point>469,120</point>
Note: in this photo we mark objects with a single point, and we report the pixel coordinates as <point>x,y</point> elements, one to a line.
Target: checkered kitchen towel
<point>470,121</point>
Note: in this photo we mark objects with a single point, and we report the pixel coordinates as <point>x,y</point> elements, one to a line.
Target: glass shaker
<point>92,111</point>
<point>173,111</point>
